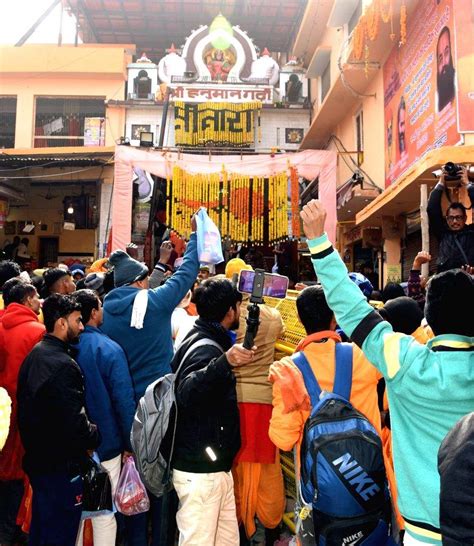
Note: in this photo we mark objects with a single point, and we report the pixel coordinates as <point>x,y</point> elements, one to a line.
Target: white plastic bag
<point>131,497</point>
<point>209,245</point>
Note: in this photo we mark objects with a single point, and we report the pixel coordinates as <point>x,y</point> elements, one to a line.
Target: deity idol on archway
<point>219,63</point>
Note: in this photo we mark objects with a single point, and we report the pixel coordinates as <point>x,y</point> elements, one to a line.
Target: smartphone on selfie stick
<point>258,283</point>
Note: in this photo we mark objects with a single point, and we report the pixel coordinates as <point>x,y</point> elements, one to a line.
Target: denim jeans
<point>56,509</point>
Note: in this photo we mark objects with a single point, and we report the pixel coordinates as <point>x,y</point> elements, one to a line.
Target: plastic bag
<point>131,497</point>
<point>97,491</point>
<point>209,245</point>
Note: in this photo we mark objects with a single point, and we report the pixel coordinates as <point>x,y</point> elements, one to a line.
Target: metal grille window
<point>325,81</point>
<point>7,122</point>
<point>61,121</point>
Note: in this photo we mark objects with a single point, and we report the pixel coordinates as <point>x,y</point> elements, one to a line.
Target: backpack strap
<point>310,381</point>
<point>343,375</point>
<point>193,347</point>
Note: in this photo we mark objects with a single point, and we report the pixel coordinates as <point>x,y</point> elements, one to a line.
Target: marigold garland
<point>372,20</point>
<point>403,24</point>
<point>369,26</point>
<point>235,202</point>
<point>295,203</point>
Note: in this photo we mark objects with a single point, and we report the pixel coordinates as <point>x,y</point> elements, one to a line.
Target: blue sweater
<point>110,402</point>
<point>149,350</point>
<point>430,387</point>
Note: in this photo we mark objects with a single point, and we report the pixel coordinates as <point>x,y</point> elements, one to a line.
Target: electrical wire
<point>62,174</point>
<point>358,169</point>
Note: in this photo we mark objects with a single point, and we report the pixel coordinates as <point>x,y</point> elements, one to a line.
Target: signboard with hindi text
<point>420,88</point>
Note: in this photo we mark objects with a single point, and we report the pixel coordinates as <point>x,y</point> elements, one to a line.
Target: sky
<point>16,17</point>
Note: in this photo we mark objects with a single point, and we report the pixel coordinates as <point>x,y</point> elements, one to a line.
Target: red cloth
<point>20,330</point>
<point>256,444</point>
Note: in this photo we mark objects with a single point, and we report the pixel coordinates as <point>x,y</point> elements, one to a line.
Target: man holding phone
<point>256,467</point>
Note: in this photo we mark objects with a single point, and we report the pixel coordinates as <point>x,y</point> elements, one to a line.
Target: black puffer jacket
<point>449,254</point>
<point>208,416</point>
<point>53,424</point>
<point>456,469</point>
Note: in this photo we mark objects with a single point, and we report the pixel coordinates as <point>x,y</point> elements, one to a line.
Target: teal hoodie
<point>149,350</point>
<point>430,387</point>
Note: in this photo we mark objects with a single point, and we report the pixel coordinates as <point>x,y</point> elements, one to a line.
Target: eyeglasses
<point>457,218</point>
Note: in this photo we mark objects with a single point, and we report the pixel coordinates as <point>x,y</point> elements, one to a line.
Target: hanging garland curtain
<point>242,207</point>
<point>218,123</point>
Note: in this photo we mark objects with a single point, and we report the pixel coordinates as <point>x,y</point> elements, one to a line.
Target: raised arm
<point>435,212</point>
<point>384,348</point>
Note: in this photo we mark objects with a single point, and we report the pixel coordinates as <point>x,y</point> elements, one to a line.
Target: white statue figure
<point>265,67</point>
<point>170,65</point>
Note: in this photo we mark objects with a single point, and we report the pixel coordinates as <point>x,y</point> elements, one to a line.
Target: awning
<point>403,196</point>
<point>55,157</point>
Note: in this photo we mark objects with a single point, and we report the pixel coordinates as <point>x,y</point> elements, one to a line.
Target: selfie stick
<point>253,318</point>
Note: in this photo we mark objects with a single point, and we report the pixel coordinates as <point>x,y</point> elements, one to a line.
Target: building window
<point>355,17</point>
<point>325,81</point>
<point>359,129</point>
<point>63,121</point>
<point>7,122</point>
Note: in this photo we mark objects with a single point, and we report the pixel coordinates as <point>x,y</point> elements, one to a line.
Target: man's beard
<point>72,338</point>
<point>446,90</point>
<point>235,325</point>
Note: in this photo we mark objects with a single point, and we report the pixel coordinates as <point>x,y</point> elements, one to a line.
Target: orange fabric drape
<point>259,491</point>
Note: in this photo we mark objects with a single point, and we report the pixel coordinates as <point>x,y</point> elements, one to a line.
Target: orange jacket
<point>291,404</point>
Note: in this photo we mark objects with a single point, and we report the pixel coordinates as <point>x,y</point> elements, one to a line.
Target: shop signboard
<point>420,88</point>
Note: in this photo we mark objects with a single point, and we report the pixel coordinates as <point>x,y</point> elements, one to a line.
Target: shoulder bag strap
<point>461,249</point>
<point>194,346</point>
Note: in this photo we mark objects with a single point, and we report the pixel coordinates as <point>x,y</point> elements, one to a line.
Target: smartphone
<point>275,286</point>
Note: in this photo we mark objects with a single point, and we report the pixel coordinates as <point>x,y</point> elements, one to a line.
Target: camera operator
<point>456,239</point>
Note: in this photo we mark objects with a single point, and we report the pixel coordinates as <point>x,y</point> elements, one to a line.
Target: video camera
<point>258,284</point>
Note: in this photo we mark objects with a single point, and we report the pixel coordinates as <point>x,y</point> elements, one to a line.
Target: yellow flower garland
<point>235,202</point>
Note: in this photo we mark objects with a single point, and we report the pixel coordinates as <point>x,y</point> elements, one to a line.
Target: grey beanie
<point>126,269</point>
<point>95,281</point>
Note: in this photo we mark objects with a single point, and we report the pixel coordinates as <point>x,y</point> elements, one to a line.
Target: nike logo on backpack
<point>357,477</point>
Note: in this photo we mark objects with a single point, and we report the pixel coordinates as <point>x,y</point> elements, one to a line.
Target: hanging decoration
<point>368,26</point>
<point>403,24</point>
<point>217,123</point>
<point>236,203</point>
<point>295,203</point>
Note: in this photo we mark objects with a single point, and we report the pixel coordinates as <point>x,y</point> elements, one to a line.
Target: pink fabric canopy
<point>309,164</point>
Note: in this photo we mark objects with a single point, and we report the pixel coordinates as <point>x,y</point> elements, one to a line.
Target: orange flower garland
<point>403,24</point>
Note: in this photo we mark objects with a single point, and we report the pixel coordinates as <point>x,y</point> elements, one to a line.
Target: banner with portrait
<point>420,89</point>
<point>464,15</point>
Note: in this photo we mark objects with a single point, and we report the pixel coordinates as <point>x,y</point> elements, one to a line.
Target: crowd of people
<point>78,350</point>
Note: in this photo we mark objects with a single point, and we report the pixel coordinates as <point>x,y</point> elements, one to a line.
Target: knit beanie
<point>235,266</point>
<point>403,313</point>
<point>126,269</point>
<point>95,281</point>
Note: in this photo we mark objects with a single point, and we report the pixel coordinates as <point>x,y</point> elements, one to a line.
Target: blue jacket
<point>110,402</point>
<point>149,350</point>
<point>430,387</point>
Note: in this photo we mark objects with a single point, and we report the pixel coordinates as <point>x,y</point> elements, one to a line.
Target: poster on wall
<point>94,131</point>
<point>420,89</point>
<point>463,17</point>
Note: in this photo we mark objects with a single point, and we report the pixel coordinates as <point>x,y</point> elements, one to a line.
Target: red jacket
<point>20,330</point>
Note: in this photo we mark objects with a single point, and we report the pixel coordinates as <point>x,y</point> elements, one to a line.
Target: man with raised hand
<point>430,386</point>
